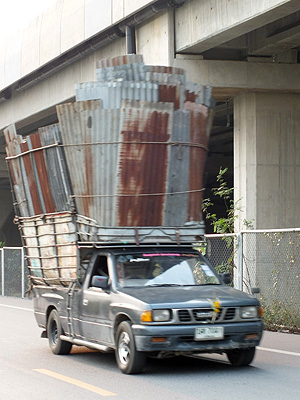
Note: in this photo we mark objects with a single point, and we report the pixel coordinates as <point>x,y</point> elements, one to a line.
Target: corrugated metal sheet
<point>56,167</point>
<point>13,142</point>
<point>38,172</point>
<point>134,151</point>
<point>91,141</point>
<point>124,164</point>
<point>199,142</point>
<point>128,68</point>
<point>143,160</point>
<point>173,94</point>
<point>178,171</point>
<point>199,94</point>
<point>111,94</point>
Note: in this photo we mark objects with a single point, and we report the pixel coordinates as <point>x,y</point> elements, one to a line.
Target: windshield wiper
<point>209,283</point>
<point>164,284</point>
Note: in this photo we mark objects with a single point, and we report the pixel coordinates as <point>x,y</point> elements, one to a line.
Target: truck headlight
<point>249,312</point>
<point>155,316</point>
<point>161,315</point>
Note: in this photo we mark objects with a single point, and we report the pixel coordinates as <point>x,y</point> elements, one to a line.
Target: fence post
<point>240,261</point>
<point>23,272</point>
<point>2,272</point>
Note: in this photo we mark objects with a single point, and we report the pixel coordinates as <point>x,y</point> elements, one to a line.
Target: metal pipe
<point>130,40</point>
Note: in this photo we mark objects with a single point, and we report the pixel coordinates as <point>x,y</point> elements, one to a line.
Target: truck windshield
<point>164,269</point>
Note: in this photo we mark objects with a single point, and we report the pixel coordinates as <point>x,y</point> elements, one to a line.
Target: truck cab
<point>150,301</point>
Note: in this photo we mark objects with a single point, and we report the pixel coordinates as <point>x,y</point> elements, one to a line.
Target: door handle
<point>85,302</point>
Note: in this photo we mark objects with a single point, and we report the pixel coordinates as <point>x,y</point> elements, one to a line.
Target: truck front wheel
<point>241,357</point>
<point>129,360</point>
<point>54,330</point>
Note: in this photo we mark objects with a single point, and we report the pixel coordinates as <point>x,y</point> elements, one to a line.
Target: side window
<point>100,267</point>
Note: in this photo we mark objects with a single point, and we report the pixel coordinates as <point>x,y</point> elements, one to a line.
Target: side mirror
<point>226,277</point>
<point>255,290</point>
<point>100,281</point>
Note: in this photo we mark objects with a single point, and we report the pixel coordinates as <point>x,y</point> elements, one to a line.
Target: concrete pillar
<point>155,39</point>
<point>9,234</point>
<point>267,159</point>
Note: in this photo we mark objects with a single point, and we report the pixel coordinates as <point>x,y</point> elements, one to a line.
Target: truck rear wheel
<point>129,360</point>
<point>241,357</point>
<point>54,330</point>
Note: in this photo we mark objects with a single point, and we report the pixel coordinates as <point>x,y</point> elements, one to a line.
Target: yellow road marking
<point>75,382</point>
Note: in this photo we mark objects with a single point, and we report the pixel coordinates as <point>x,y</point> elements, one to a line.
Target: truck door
<point>95,305</point>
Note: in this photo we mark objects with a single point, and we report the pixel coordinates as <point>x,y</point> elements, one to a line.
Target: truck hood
<point>190,296</point>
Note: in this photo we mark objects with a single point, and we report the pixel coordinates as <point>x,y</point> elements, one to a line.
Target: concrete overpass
<point>247,51</point>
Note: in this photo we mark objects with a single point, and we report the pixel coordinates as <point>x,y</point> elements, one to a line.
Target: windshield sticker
<point>139,259</point>
<point>161,254</point>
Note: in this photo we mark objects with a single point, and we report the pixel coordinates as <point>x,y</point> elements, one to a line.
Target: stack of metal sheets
<point>130,152</point>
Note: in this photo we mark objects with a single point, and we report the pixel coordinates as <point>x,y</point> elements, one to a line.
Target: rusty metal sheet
<point>91,142</point>
<point>31,180</point>
<point>143,159</point>
<point>58,179</point>
<point>118,169</point>
<point>199,94</point>
<point>199,136</point>
<point>128,68</point>
<point>132,68</point>
<point>173,94</point>
<point>13,142</point>
<point>31,169</point>
<point>135,144</point>
<point>124,164</point>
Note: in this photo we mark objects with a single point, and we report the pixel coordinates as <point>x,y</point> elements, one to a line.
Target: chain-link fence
<point>269,260</point>
<point>222,251</point>
<point>13,275</point>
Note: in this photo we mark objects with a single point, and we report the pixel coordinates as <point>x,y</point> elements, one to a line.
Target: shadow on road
<point>208,364</point>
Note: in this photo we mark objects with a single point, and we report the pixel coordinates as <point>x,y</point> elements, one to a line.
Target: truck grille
<point>229,314</point>
<point>205,315</point>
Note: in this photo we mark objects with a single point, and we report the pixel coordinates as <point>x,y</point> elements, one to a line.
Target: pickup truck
<point>156,301</point>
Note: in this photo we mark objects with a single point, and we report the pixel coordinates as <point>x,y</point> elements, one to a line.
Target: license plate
<point>209,333</point>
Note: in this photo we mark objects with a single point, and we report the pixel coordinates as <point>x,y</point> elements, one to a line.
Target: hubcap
<point>124,349</point>
<point>54,332</point>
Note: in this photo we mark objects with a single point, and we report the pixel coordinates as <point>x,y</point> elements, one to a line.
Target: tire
<point>54,330</point>
<point>129,360</point>
<point>241,357</point>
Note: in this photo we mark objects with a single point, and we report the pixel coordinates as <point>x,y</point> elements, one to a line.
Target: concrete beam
<point>275,44</point>
<point>202,25</point>
<point>229,78</point>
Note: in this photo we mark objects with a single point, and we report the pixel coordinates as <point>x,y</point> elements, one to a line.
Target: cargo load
<point>123,165</point>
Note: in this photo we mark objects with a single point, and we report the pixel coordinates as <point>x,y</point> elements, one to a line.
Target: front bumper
<point>180,338</point>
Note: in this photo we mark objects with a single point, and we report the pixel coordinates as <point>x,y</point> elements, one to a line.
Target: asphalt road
<point>28,369</point>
